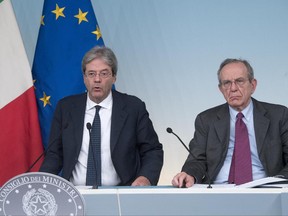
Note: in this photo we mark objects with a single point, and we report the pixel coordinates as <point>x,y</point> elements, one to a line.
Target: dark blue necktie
<point>93,176</point>
<point>241,166</point>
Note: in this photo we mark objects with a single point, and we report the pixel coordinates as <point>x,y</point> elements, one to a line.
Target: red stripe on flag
<point>20,136</point>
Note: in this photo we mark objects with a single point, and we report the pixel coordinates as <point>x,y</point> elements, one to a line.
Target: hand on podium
<point>141,181</point>
<point>182,179</point>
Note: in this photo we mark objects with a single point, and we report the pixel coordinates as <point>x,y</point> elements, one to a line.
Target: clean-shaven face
<point>98,86</point>
<point>235,85</point>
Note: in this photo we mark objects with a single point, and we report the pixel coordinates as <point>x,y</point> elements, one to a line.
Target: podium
<point>47,194</point>
<point>126,201</point>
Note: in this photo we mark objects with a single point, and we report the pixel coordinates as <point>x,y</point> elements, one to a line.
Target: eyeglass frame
<point>102,74</point>
<point>239,82</point>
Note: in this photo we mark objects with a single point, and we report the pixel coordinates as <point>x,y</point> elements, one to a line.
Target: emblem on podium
<point>39,193</point>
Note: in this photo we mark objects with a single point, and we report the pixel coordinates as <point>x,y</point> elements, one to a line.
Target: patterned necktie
<point>241,166</point>
<point>93,176</point>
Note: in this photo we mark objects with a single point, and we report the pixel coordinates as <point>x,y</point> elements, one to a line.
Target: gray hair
<point>230,60</point>
<point>103,53</point>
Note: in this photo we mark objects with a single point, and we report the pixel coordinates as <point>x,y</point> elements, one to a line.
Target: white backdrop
<point>169,52</point>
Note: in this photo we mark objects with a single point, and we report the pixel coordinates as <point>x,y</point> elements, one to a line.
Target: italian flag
<point>20,139</point>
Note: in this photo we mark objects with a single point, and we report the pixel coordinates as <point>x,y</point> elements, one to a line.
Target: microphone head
<point>89,126</point>
<point>169,130</point>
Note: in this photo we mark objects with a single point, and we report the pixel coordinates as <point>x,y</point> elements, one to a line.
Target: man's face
<point>235,85</point>
<point>98,80</point>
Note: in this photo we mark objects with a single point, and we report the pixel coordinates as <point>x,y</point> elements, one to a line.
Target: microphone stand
<point>169,130</point>
<point>28,170</point>
<point>41,155</point>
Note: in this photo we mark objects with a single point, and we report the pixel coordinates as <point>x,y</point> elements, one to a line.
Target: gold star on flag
<point>42,20</point>
<point>81,16</point>
<point>58,11</point>
<point>45,99</point>
<point>97,32</point>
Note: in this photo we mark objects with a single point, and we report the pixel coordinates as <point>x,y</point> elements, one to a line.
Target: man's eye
<point>103,73</point>
<point>240,81</point>
<point>226,82</point>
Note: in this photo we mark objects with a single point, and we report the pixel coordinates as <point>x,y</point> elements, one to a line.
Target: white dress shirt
<point>108,173</point>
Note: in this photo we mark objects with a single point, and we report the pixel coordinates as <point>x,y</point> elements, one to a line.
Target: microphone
<point>45,151</point>
<point>41,155</point>
<point>89,128</point>
<point>169,130</point>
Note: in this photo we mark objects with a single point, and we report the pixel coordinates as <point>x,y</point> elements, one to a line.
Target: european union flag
<point>68,30</point>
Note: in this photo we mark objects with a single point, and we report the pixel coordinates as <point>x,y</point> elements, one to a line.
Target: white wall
<point>169,52</point>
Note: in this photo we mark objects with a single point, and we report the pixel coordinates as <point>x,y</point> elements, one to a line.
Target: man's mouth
<point>232,98</point>
<point>96,88</point>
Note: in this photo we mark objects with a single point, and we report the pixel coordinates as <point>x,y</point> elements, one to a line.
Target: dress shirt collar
<point>247,112</point>
<point>106,103</point>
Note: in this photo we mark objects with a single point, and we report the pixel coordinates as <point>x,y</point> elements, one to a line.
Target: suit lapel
<point>222,126</point>
<point>118,119</point>
<point>77,118</point>
<point>261,124</point>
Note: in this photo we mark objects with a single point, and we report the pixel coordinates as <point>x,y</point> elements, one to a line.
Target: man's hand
<point>141,181</point>
<point>183,180</point>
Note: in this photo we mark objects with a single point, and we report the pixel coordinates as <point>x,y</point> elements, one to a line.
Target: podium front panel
<point>136,201</point>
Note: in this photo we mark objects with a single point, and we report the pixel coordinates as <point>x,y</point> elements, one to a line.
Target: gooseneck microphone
<point>47,149</point>
<point>169,130</point>
<point>41,155</point>
<point>89,128</point>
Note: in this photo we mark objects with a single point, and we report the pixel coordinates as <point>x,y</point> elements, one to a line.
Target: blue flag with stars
<point>68,30</point>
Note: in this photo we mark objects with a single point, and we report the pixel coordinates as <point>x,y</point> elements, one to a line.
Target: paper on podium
<point>213,186</point>
<point>268,182</point>
<point>273,182</point>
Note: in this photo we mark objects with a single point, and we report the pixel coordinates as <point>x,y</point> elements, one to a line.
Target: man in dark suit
<point>130,150</point>
<point>215,133</point>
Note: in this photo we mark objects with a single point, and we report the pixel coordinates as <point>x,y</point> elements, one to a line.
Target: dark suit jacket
<point>211,140</point>
<point>135,149</point>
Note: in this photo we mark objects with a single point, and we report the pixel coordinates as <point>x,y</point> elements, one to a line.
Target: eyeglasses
<point>101,74</point>
<point>228,83</point>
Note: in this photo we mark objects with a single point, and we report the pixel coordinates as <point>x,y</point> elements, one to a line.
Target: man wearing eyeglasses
<point>103,135</point>
<point>239,141</point>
